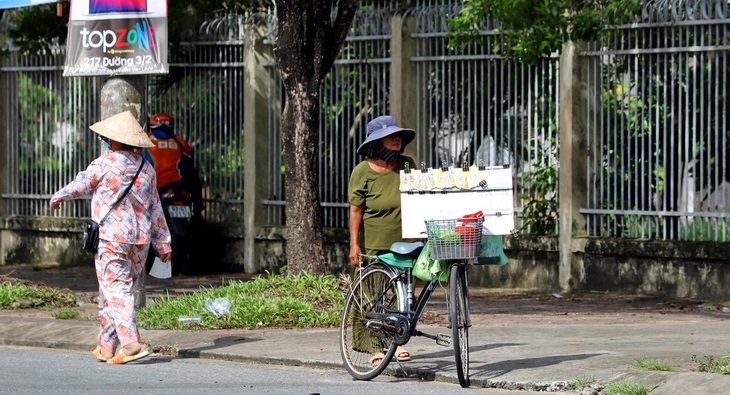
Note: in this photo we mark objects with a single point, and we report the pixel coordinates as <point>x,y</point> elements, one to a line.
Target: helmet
<point>161,119</point>
<point>161,126</point>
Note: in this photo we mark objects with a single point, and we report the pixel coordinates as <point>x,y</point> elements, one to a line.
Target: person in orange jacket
<point>172,158</point>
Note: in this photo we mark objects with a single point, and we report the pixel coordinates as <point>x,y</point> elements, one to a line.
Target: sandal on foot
<point>402,355</point>
<point>122,358</point>
<point>376,358</point>
<point>97,353</point>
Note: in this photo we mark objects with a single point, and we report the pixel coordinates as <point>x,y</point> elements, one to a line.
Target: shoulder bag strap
<point>126,191</point>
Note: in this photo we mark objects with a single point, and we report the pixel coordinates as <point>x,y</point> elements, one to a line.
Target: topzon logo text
<point>142,35</point>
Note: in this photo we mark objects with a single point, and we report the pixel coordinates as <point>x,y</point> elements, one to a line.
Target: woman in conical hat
<point>125,234</point>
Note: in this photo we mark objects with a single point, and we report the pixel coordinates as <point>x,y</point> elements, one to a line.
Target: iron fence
<point>481,108</point>
<point>48,140</point>
<point>658,124</point>
<point>204,94</point>
<point>476,106</point>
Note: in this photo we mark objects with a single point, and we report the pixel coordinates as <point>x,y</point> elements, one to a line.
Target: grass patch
<point>67,313</point>
<point>275,301</point>
<point>15,295</point>
<point>713,364</point>
<point>626,387</point>
<point>653,364</point>
<point>582,381</point>
<point>71,313</point>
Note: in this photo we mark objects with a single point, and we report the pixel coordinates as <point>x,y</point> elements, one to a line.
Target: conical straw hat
<point>123,128</point>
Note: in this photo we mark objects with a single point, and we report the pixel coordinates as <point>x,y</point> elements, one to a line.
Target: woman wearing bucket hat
<point>374,197</point>
<point>126,233</point>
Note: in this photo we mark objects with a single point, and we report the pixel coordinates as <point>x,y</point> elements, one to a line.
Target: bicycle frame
<point>413,315</point>
<point>425,295</point>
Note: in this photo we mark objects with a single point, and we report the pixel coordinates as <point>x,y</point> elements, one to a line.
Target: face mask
<point>106,142</point>
<point>378,151</point>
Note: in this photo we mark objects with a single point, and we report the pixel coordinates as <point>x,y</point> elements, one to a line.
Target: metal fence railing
<point>48,140</point>
<point>480,108</point>
<point>476,106</point>
<point>204,94</point>
<point>658,125</point>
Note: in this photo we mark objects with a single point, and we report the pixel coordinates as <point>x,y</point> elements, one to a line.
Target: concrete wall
<point>42,240</point>
<point>652,267</point>
<point>642,267</point>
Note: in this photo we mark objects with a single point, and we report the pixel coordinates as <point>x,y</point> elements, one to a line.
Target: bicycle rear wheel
<point>459,316</point>
<point>374,287</point>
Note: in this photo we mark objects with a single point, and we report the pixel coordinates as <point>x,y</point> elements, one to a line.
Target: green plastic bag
<point>428,269</point>
<point>492,252</point>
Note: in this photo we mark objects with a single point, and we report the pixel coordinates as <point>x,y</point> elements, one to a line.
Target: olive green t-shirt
<point>380,195</point>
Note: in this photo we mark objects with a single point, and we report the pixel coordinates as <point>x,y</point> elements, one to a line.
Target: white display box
<point>494,197</point>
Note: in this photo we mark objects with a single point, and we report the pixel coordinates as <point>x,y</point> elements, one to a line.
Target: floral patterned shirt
<point>138,218</point>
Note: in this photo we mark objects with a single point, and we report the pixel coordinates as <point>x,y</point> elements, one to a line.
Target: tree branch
<point>336,35</point>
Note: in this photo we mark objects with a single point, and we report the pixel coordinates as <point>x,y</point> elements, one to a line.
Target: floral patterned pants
<point>118,266</point>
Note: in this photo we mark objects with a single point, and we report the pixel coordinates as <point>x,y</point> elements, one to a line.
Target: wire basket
<point>455,238</point>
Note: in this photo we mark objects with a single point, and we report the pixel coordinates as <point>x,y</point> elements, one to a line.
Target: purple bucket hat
<point>385,126</point>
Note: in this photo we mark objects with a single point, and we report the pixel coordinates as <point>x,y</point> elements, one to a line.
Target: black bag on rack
<point>91,228</point>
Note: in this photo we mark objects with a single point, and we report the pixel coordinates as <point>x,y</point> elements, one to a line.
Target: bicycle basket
<point>455,238</point>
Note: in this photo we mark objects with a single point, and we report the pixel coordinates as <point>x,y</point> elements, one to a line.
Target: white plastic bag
<point>218,306</point>
<point>161,269</point>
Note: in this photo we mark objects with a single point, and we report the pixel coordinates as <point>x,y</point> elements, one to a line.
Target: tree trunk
<point>305,241</point>
<point>308,42</point>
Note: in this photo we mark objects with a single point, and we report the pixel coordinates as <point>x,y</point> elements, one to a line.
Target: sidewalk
<point>508,350</point>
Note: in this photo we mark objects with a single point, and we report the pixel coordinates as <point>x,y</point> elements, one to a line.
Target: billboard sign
<point>116,37</point>
<point>22,3</point>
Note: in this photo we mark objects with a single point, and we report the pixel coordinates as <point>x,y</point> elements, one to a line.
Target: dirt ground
<point>495,306</point>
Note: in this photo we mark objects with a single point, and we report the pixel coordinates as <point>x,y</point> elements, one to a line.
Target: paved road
<point>36,371</point>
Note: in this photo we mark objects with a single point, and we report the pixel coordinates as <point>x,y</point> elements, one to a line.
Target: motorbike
<point>177,204</point>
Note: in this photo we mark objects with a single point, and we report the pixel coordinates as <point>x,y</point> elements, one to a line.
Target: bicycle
<point>381,314</point>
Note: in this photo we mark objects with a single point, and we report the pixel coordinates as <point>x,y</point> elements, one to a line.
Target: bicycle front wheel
<point>362,340</point>
<point>459,316</point>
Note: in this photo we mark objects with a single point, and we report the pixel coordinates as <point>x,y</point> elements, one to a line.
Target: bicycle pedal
<point>443,339</point>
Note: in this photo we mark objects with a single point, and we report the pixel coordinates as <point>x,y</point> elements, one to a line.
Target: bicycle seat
<point>406,248</point>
